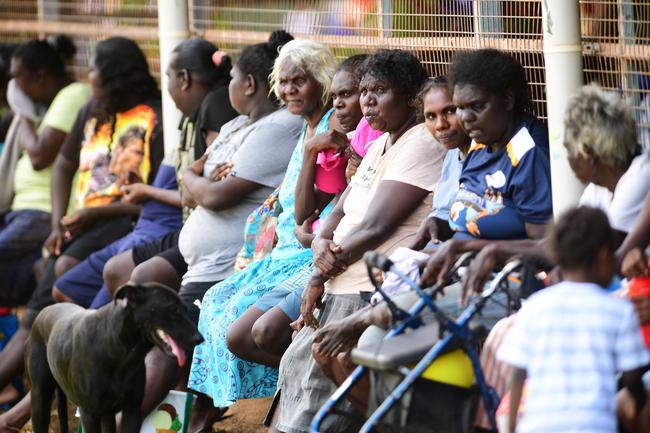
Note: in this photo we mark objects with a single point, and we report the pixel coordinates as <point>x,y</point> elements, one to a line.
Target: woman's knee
<point>117,271</point>
<point>64,264</point>
<point>156,269</point>
<point>59,296</point>
<point>142,273</point>
<point>262,333</point>
<point>270,331</point>
<point>238,339</point>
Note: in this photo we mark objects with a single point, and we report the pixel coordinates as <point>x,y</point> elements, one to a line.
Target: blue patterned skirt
<point>215,371</point>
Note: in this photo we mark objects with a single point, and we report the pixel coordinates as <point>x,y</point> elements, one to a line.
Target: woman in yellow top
<point>39,79</point>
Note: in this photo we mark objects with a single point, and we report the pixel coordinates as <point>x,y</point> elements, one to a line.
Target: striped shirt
<point>572,339</point>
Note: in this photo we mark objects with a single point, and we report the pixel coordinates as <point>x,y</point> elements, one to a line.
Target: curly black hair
<point>399,68</point>
<point>354,65</point>
<point>494,71</point>
<point>578,236</point>
<point>38,55</point>
<point>195,55</point>
<point>257,60</point>
<point>124,75</point>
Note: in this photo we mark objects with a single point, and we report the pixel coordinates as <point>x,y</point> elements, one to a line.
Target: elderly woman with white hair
<point>601,142</point>
<point>301,79</point>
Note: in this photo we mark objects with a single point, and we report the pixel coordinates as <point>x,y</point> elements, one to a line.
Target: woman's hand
<point>331,139</point>
<point>428,231</point>
<point>635,264</point>
<point>80,222</point>
<point>297,324</point>
<point>479,271</point>
<point>325,260</point>
<point>197,166</point>
<point>353,165</point>
<point>304,232</point>
<point>187,198</point>
<point>311,298</point>
<point>136,193</point>
<point>54,242</point>
<point>337,337</point>
<point>221,171</point>
<point>440,263</point>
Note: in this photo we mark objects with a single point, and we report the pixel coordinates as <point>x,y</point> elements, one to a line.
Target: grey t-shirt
<point>210,241</point>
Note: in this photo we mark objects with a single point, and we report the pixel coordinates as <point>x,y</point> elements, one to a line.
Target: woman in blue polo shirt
<point>505,185</point>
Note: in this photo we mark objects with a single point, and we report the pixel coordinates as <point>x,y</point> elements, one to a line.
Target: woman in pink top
<point>334,166</point>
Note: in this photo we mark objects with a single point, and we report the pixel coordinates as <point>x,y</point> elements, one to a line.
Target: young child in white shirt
<point>570,340</point>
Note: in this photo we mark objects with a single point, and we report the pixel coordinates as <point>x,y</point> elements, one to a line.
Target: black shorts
<point>190,292</point>
<point>103,233</point>
<point>165,247</point>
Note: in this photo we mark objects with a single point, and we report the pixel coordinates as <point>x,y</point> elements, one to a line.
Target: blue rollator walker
<point>424,345</point>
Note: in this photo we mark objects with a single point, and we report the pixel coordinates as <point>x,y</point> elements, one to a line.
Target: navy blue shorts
<point>22,234</point>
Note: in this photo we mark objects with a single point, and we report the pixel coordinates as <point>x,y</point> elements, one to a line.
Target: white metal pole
<point>563,65</point>
<point>173,28</point>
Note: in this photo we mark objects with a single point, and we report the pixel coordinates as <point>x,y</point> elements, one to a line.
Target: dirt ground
<point>244,417</point>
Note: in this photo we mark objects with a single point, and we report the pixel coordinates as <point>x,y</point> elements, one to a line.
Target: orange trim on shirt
<point>475,146</point>
<point>511,154</point>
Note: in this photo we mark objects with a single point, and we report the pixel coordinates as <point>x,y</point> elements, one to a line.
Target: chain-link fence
<point>615,33</point>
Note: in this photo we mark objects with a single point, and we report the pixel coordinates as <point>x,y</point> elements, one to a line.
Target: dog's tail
<point>62,409</point>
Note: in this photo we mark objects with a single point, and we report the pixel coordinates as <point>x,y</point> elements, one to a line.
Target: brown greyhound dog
<point>96,357</point>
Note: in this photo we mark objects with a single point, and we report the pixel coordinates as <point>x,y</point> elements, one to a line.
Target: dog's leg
<point>43,385</point>
<point>108,423</point>
<point>62,409</point>
<point>90,423</point>
<point>131,420</point>
<point>131,406</point>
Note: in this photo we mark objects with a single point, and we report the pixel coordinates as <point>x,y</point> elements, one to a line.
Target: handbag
<point>259,233</point>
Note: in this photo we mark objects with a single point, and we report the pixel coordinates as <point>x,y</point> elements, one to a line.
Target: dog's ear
<point>130,294</point>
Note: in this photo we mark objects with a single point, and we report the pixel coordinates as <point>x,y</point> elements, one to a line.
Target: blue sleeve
<point>531,185</point>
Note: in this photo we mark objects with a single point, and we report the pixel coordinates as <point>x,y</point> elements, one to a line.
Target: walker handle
<point>377,260</point>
